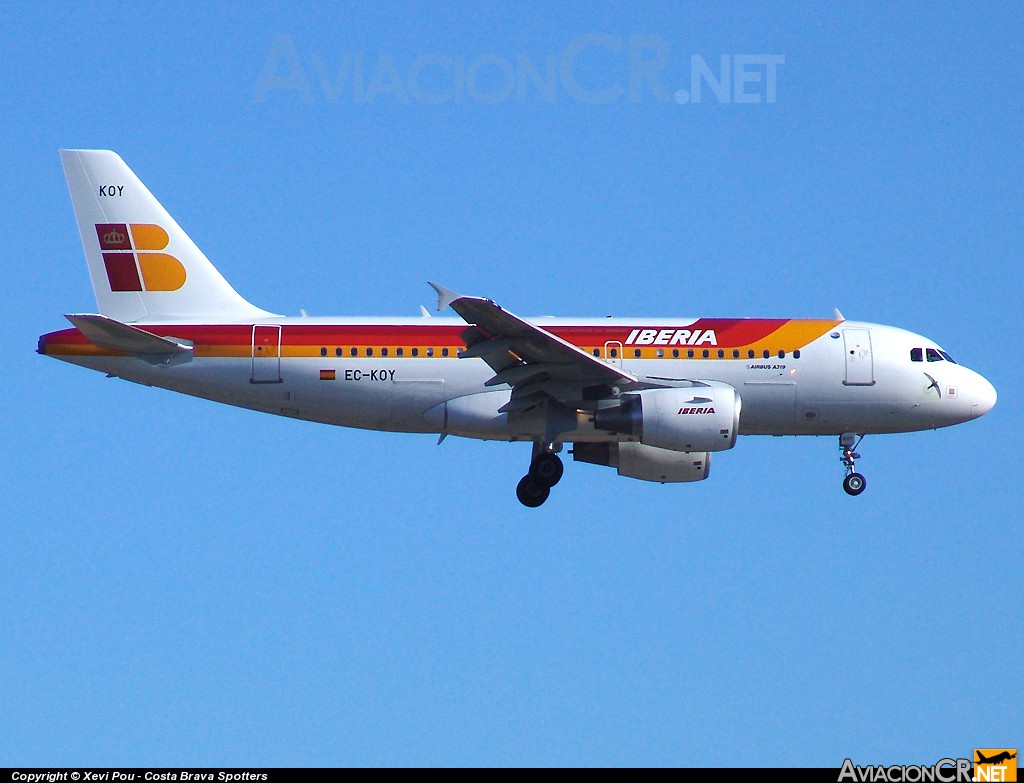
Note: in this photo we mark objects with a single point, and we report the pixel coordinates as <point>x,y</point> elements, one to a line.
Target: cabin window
<point>597,352</point>
<point>933,355</point>
<point>689,354</point>
<point>735,354</point>
<point>766,354</point>
<point>721,354</point>
<point>661,353</point>
<point>705,353</point>
<point>323,351</point>
<point>782,354</point>
<point>636,353</point>
<point>430,351</point>
<point>337,351</point>
<point>750,353</point>
<point>796,354</point>
<point>613,352</point>
<point>675,353</point>
<point>369,351</point>
<point>353,351</point>
<point>917,354</point>
<point>383,351</point>
<point>444,351</point>
<point>946,356</point>
<point>399,352</point>
<point>415,352</point>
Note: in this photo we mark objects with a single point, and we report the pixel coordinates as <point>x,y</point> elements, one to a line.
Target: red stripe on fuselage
<point>730,332</point>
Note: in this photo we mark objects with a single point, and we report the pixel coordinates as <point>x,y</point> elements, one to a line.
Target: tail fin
<point>142,265</point>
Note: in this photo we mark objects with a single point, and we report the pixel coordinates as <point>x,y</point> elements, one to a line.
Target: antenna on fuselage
<point>839,315</point>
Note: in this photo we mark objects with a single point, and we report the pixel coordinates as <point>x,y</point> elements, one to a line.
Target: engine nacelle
<point>701,418</point>
<point>647,463</point>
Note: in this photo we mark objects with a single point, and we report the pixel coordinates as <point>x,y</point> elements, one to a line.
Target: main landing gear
<point>545,471</point>
<point>854,483</point>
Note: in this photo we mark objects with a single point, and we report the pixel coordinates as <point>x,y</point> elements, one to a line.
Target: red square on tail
<point>122,273</point>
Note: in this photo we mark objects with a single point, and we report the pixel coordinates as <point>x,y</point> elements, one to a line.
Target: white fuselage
<point>857,377</point>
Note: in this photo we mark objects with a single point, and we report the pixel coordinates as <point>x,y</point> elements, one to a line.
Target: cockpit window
<point>946,356</point>
<point>933,355</point>
<point>916,355</point>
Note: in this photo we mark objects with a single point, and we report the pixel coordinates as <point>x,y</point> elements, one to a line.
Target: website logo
<point>131,261</point>
<point>947,770</point>
<point>995,764</point>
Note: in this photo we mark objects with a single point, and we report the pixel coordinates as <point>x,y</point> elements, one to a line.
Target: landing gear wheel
<point>547,469</point>
<point>532,493</point>
<point>854,484</point>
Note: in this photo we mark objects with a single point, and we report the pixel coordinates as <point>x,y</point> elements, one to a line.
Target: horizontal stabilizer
<point>107,333</point>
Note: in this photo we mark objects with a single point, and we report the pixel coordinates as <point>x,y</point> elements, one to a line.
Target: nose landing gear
<point>854,483</point>
<point>545,471</point>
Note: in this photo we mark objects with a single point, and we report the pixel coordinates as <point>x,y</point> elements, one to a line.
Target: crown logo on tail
<point>113,237</point>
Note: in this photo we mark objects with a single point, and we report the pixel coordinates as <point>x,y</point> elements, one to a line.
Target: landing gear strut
<point>854,483</point>
<point>545,471</point>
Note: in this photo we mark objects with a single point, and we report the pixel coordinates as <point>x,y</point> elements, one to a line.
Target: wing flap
<point>486,347</point>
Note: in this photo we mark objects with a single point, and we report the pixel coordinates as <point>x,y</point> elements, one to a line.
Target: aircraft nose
<point>983,397</point>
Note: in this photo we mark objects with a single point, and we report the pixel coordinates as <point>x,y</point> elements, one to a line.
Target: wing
<point>533,361</point>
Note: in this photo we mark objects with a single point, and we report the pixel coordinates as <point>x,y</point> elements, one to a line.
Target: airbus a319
<point>651,398</point>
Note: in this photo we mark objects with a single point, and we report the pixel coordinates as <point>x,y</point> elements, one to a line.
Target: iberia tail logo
<point>131,261</point>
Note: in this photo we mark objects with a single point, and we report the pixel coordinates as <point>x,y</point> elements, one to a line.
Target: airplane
<point>999,758</point>
<point>651,398</point>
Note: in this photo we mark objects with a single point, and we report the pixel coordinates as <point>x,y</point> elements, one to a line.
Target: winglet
<point>839,315</point>
<point>444,296</point>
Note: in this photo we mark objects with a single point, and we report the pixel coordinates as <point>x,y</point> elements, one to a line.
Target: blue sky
<point>184,583</point>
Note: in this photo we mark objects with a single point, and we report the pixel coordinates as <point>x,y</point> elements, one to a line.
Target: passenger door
<point>860,366</point>
<point>266,353</point>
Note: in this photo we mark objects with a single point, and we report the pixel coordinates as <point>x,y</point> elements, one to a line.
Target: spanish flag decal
<point>328,375</point>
